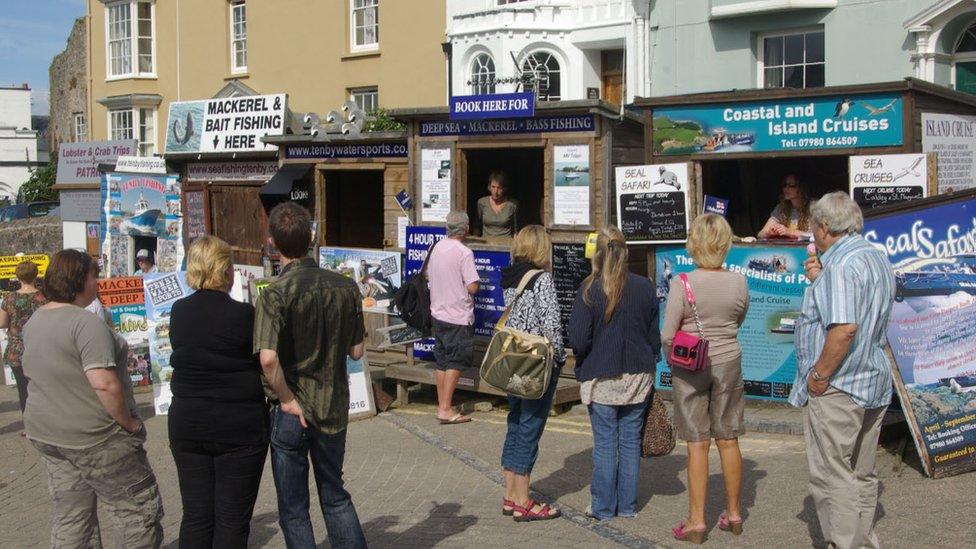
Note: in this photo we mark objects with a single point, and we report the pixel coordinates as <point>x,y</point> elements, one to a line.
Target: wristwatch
<point>816,375</point>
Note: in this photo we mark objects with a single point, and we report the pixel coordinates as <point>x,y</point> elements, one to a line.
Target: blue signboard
<point>494,105</point>
<point>932,329</point>
<point>542,124</point>
<point>831,122</point>
<point>716,205</point>
<point>316,151</point>
<point>776,285</point>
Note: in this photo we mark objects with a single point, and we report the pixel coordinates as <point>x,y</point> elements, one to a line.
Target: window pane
<point>793,76</point>
<point>815,47</point>
<point>794,49</point>
<point>773,78</point>
<point>815,76</point>
<point>773,51</point>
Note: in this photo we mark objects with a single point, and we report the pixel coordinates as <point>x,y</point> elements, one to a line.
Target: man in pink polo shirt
<point>453,282</point>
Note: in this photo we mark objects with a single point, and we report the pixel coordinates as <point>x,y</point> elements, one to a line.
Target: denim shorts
<point>453,346</point>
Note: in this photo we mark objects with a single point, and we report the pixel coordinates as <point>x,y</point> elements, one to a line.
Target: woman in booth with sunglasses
<point>791,216</point>
<point>709,403</point>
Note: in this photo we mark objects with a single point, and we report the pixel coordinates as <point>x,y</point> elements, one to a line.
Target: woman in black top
<point>218,421</point>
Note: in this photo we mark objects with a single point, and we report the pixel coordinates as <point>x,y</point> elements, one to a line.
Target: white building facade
<point>578,49</point>
<point>18,142</point>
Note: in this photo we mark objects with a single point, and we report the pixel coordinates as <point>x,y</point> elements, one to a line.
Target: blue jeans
<point>526,420</point>
<point>290,448</point>
<point>616,458</point>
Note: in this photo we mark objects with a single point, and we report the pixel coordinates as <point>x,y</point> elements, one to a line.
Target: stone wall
<point>69,86</point>
<point>40,235</point>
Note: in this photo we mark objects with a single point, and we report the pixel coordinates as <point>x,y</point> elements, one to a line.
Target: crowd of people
<point>80,415</point>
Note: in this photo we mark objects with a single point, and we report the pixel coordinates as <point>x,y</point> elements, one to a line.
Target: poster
<point>653,203</point>
<point>953,138</point>
<point>244,275</point>
<point>125,300</point>
<point>887,179</point>
<point>161,291</point>
<point>932,330</point>
<point>790,124</point>
<point>195,214</point>
<point>234,124</point>
<point>360,393</point>
<point>571,180</point>
<point>435,184</point>
<point>8,264</point>
<point>377,273</point>
<point>141,206</point>
<point>419,241</point>
<point>776,286</point>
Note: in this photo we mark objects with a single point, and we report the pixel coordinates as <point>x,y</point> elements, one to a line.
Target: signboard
<point>125,300</point>
<point>244,277</point>
<point>140,164</point>
<point>195,214</point>
<point>776,285</point>
<point>571,181</point>
<point>494,105</point>
<point>715,205</point>
<point>932,330</point>
<point>652,203</point>
<point>542,124</point>
<point>329,151</point>
<point>141,205</point>
<point>886,179</point>
<point>360,394</point>
<point>953,138</point>
<point>78,162</point>
<point>81,205</point>
<point>435,184</point>
<point>234,124</point>
<point>831,122</point>
<point>376,272</point>
<point>569,268</point>
<point>8,264</point>
<point>231,171</point>
<point>162,290</point>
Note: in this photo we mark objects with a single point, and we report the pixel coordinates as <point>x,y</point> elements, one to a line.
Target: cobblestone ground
<point>419,484</point>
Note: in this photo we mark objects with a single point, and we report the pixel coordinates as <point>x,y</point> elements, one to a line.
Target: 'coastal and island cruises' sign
<point>830,122</point>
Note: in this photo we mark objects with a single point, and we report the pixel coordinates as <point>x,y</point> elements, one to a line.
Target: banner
<point>234,124</point>
<point>932,331</point>
<point>542,124</point>
<point>141,206</point>
<point>330,151</point>
<point>376,272</point>
<point>162,290</point>
<point>78,162</point>
<point>953,138</point>
<point>776,285</point>
<point>571,184</point>
<point>831,122</point>
<point>125,300</point>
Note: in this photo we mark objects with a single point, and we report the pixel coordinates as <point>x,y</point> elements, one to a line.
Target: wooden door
<point>238,217</point>
<point>612,76</point>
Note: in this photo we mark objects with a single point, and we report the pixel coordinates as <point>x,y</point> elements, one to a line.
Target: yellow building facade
<point>144,54</point>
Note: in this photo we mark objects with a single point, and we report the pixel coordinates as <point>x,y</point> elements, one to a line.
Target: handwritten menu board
<point>653,217</point>
<point>886,179</point>
<point>195,215</point>
<point>569,267</point>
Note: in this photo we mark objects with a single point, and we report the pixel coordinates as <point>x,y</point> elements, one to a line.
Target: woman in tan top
<point>709,404</point>
<point>497,212</point>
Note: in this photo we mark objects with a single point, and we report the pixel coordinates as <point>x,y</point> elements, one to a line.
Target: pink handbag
<point>689,351</point>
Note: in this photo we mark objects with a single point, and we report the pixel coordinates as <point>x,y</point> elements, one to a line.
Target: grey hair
<point>839,212</point>
<point>457,224</point>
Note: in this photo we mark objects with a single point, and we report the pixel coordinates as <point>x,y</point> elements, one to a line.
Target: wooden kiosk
<point>559,166</point>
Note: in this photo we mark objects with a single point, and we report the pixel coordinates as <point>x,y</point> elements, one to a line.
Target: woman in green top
<point>15,311</point>
<point>497,212</point>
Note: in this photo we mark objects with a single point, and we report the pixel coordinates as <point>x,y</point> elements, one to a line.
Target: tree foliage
<point>39,186</point>
<point>381,121</point>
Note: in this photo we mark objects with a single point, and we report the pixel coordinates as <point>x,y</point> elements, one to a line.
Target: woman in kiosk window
<point>791,216</point>
<point>497,213</point>
<point>613,331</point>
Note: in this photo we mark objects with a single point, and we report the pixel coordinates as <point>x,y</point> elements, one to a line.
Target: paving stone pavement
<point>420,484</point>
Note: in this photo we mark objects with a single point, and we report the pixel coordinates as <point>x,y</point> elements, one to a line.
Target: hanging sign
<point>571,184</point>
<point>235,124</point>
<point>953,138</point>
<point>652,203</point>
<point>494,105</point>
<point>831,122</point>
<point>886,179</point>
<point>435,184</point>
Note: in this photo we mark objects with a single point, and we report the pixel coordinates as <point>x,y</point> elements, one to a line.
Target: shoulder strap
<point>690,295</point>
<point>526,278</point>
<point>423,268</point>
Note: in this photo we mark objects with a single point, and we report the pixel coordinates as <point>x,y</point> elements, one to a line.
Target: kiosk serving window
<point>354,208</point>
<point>524,174</point>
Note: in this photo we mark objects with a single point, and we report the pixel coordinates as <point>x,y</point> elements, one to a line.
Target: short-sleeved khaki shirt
<point>311,317</point>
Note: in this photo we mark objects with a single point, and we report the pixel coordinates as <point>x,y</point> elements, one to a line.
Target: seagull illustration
<point>843,107</point>
<point>875,112</point>
<point>910,170</point>
<point>187,130</point>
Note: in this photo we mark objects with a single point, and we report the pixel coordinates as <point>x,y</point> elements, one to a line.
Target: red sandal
<point>528,515</point>
<point>734,526</point>
<point>694,536</point>
<point>508,507</point>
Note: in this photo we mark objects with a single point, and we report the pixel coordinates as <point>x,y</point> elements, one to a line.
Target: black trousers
<point>218,485</point>
<point>21,386</point>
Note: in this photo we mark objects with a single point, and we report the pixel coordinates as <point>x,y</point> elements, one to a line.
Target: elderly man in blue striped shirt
<point>843,375</point>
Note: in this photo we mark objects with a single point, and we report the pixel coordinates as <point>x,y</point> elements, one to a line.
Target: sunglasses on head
<point>790,185</point>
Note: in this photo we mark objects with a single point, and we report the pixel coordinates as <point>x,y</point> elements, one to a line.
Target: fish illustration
<point>187,130</point>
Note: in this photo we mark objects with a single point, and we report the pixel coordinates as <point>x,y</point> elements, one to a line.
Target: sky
<point>32,32</point>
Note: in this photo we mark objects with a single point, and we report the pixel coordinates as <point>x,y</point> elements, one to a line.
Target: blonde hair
<point>207,263</point>
<point>709,241</point>
<point>532,244</point>
<point>610,266</point>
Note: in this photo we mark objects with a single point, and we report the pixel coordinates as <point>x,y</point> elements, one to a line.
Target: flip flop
<point>455,419</point>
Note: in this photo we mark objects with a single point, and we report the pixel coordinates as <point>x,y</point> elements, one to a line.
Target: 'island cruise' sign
<point>830,122</point>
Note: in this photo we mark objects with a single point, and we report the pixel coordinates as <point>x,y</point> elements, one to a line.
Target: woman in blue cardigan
<point>615,337</point>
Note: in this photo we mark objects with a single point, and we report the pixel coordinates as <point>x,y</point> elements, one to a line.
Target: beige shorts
<point>709,404</point>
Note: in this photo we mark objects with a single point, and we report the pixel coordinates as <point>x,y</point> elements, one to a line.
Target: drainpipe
<point>447,48</point>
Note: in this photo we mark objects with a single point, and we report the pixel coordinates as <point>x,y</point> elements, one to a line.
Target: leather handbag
<point>657,438</point>
<point>517,362</point>
<point>689,351</point>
